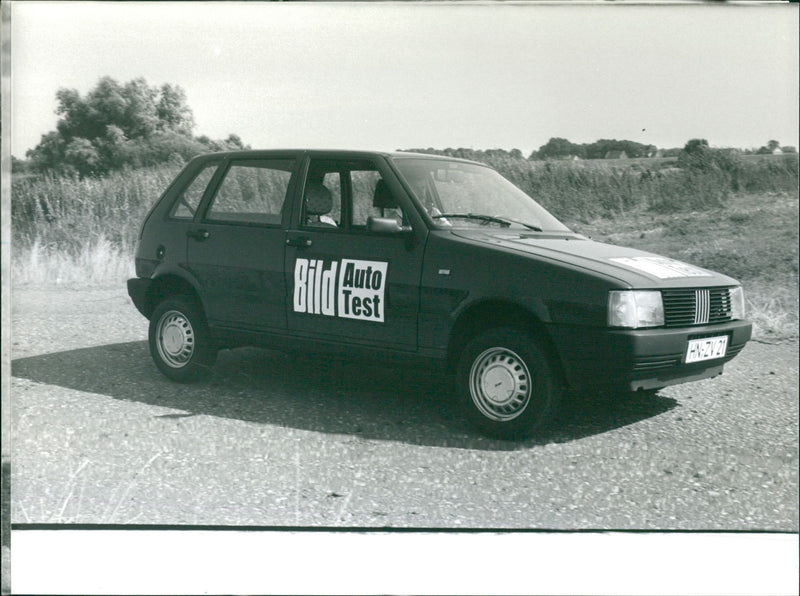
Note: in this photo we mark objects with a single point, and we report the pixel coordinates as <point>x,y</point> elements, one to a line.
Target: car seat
<point>383,199</point>
<point>319,202</point>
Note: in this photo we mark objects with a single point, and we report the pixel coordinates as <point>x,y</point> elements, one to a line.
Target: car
<point>419,259</point>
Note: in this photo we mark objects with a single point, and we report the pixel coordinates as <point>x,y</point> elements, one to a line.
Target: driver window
<point>372,198</point>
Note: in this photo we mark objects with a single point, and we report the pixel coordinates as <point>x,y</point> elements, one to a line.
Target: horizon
<point>386,77</point>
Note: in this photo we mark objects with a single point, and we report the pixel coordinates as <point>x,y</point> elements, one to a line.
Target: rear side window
<point>252,191</point>
<point>186,205</point>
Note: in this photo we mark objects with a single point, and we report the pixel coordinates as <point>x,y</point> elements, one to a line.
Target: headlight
<point>737,303</point>
<point>635,308</point>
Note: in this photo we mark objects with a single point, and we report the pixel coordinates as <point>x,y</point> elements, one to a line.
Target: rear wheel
<point>180,343</point>
<point>506,384</point>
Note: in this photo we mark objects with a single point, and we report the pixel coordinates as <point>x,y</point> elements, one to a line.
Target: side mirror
<point>386,225</point>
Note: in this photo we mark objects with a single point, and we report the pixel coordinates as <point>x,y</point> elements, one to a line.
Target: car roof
<point>333,153</point>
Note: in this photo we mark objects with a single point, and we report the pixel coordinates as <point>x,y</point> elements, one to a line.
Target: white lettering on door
<point>357,292</point>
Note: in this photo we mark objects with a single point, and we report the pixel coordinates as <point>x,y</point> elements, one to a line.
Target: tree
<point>49,151</point>
<point>698,156</point>
<point>111,147</point>
<point>695,155</point>
<point>116,125</point>
<point>695,146</point>
<point>173,112</point>
<point>556,147</point>
<point>81,155</point>
<point>140,116</point>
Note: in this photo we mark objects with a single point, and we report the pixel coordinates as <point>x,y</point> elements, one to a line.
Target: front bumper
<point>138,288</point>
<point>599,359</point>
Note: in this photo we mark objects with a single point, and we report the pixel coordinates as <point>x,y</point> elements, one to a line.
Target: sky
<point>406,75</point>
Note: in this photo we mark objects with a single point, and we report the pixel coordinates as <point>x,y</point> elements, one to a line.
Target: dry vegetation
<point>740,219</point>
<point>752,237</point>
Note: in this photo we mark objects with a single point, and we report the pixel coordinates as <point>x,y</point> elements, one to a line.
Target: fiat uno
<point>421,258</point>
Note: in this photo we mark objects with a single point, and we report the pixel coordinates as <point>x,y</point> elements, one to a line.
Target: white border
<point>298,562</point>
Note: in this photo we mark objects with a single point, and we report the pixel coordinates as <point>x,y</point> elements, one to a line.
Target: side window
<point>372,197</point>
<point>253,191</point>
<point>333,181</point>
<point>187,202</point>
<point>322,197</point>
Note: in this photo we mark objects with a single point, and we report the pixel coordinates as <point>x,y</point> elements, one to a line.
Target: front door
<point>345,282</point>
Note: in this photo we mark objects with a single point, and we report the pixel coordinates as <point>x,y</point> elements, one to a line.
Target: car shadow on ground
<point>359,398</point>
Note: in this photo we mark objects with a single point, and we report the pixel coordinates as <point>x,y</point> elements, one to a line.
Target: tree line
<point>559,148</point>
<point>132,125</point>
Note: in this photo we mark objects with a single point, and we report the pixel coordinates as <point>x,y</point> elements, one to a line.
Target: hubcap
<point>175,339</point>
<point>500,384</point>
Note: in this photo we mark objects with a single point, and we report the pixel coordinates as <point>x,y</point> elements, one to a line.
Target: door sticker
<point>347,288</point>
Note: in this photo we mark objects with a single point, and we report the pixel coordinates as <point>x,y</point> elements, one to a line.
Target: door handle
<point>198,235</point>
<point>299,242</point>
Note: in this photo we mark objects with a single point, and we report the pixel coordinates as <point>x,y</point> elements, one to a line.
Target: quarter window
<point>186,205</point>
<point>253,191</point>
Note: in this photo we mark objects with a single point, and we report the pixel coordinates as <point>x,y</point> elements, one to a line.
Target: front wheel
<point>506,384</point>
<point>180,343</point>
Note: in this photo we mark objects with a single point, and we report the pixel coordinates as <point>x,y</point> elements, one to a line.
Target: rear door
<point>236,249</point>
<point>345,282</point>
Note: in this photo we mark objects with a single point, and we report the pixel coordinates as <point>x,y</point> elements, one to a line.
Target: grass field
<point>742,221</point>
<point>753,237</point>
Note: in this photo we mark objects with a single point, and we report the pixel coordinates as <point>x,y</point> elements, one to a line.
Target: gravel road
<point>101,437</point>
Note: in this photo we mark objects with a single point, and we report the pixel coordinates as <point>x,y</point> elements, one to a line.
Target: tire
<point>506,384</point>
<point>180,343</point>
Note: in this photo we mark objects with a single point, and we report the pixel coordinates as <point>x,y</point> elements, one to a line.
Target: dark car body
<point>320,268</point>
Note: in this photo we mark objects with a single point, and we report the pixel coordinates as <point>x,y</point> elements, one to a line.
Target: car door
<point>346,282</point>
<point>236,249</point>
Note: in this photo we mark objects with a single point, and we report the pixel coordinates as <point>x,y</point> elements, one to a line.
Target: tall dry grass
<point>68,213</point>
<point>98,262</point>
<point>587,190</point>
<point>64,217</point>
<point>71,230</point>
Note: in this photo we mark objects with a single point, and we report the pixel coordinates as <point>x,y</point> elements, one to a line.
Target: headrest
<point>318,199</point>
<point>382,198</point>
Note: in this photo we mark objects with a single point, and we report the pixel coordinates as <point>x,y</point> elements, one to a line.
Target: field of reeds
<point>591,189</point>
<point>71,230</point>
<point>739,217</point>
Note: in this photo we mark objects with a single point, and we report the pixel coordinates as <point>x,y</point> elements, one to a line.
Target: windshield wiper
<point>522,223</point>
<point>504,221</point>
<point>483,218</point>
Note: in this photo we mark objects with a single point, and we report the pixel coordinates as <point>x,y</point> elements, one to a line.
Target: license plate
<point>707,348</point>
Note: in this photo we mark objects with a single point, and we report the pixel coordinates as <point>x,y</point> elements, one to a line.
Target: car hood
<point>634,267</point>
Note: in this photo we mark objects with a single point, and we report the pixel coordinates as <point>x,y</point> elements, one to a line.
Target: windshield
<point>458,194</point>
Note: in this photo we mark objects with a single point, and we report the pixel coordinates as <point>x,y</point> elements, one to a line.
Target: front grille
<point>706,306</point>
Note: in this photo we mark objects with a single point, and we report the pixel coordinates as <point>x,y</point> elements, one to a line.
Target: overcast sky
<point>390,76</point>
